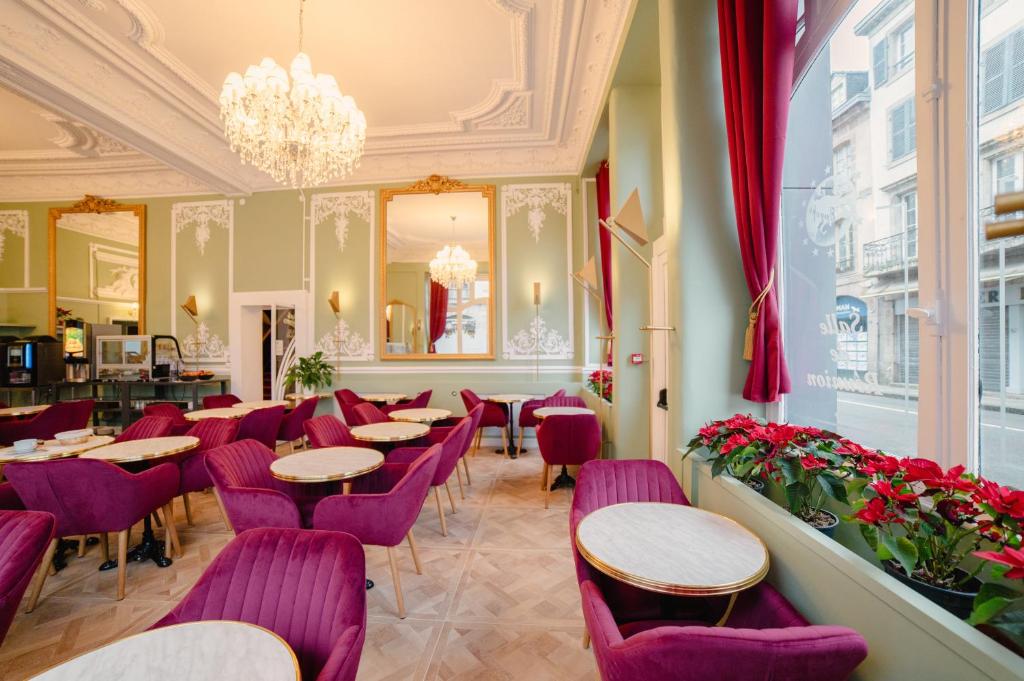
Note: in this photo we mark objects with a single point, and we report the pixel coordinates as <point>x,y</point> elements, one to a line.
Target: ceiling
<point>119,97</point>
<point>419,225</point>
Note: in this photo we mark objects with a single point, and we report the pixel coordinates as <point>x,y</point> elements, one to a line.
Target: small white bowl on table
<point>52,449</point>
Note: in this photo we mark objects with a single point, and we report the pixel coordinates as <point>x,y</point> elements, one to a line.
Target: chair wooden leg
<point>522,431</point>
<point>504,442</point>
<point>586,639</point>
<point>544,478</point>
<point>105,546</point>
<point>451,499</point>
<point>171,533</point>
<point>458,476</point>
<point>476,441</point>
<point>398,582</point>
<point>440,512</point>
<point>223,511</point>
<point>415,553</point>
<point>465,465</point>
<point>188,508</point>
<point>81,545</point>
<point>40,577</point>
<point>547,484</point>
<point>122,562</point>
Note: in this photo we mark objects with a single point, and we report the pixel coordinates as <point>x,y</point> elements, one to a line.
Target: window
<point>465,329</point>
<point>1006,174</point>
<point>848,275</point>
<point>838,91</point>
<point>1002,72</point>
<point>902,130</point>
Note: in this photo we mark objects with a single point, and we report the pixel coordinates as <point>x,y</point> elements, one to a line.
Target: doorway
<point>277,340</point>
<point>268,329</point>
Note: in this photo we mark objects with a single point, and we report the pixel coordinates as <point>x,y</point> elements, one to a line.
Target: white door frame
<point>659,348</point>
<point>245,383</point>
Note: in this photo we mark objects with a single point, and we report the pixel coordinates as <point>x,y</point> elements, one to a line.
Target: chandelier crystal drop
<point>302,132</point>
<point>452,267</point>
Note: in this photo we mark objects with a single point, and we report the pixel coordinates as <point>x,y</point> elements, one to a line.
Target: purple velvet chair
<point>329,431</point>
<point>173,412</point>
<point>261,425</point>
<point>9,499</point>
<point>452,449</point>
<point>382,509</point>
<point>438,434</point>
<point>291,430</point>
<point>306,586</point>
<point>367,413</point>
<point>494,416</point>
<point>251,496</point>
<point>766,639</point>
<point>565,401</point>
<point>567,440</point>
<point>220,401</point>
<point>212,433</point>
<point>347,400</point>
<point>421,401</point>
<point>145,428</point>
<point>87,496</point>
<point>24,539</point>
<point>55,419</point>
<point>527,419</point>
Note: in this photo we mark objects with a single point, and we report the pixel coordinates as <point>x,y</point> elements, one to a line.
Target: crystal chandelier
<point>452,267</point>
<point>301,133</point>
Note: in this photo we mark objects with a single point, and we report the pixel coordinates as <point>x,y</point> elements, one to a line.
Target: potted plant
<point>732,449</point>
<point>310,372</point>
<point>600,382</point>
<point>922,522</point>
<point>999,607</point>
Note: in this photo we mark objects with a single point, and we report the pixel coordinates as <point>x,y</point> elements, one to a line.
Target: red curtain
<point>604,211</point>
<point>757,43</point>
<point>438,313</point>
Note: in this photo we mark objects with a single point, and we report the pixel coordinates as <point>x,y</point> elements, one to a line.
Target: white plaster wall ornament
<point>14,222</point>
<point>204,346</point>
<point>339,206</point>
<point>202,215</point>
<point>536,198</point>
<point>538,339</point>
<point>341,343</point>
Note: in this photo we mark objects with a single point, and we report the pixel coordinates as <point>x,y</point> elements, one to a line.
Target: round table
<point>511,399</point>
<point>673,549</point>
<point>386,398</point>
<point>544,412</point>
<point>23,411</point>
<point>198,651</point>
<point>133,451</point>
<point>390,431</point>
<point>262,404</point>
<point>218,413</point>
<point>51,449</point>
<point>421,415</point>
<point>327,464</point>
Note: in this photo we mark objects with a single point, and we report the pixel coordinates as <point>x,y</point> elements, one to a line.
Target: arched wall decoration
<point>15,222</point>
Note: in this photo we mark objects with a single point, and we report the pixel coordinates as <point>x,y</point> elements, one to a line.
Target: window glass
<point>465,329</point>
<point>1000,266</point>
<point>849,227</point>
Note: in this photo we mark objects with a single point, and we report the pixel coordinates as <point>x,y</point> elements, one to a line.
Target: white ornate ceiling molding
<point>538,340</point>
<point>121,227</point>
<point>129,87</point>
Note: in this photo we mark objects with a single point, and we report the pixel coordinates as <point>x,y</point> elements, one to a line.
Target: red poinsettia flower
<point>1009,556</point>
<point>735,440</point>
<point>813,463</point>
<point>854,449</point>
<point>880,464</point>
<point>1001,499</point>
<point>957,512</point>
<point>899,493</point>
<point>989,530</point>
<point>740,421</point>
<point>931,474</point>
<point>876,512</point>
<point>709,432</point>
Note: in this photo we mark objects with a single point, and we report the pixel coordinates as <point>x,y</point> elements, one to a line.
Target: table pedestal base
<point>369,584</point>
<point>65,545</point>
<point>149,549</point>
<point>563,480</point>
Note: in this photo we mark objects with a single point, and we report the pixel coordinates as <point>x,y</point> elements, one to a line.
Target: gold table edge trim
<point>665,587</point>
<point>403,438</point>
<point>327,478</point>
<point>144,457</point>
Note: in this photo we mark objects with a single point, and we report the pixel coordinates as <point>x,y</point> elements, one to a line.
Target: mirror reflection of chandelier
<point>303,132</point>
<point>452,267</point>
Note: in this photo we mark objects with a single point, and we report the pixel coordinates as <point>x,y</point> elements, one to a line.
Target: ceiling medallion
<point>303,132</point>
<point>452,267</point>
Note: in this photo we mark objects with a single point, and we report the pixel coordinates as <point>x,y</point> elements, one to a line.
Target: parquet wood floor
<point>497,599</point>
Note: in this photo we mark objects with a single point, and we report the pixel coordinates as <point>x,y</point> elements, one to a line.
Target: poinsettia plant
<point>600,381</point>
<point>731,447</point>
<point>1000,604</point>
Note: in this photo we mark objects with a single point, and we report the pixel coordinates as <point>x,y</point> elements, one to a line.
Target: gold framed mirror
<point>437,261</point>
<point>97,263</point>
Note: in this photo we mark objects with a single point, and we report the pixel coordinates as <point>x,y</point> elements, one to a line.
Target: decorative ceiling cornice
<point>536,122</point>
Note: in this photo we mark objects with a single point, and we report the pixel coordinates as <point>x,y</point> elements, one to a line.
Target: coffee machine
<point>79,348</point>
<point>31,362</point>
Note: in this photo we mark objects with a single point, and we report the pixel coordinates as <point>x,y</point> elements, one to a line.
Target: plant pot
<point>957,602</point>
<point>308,391</point>
<point>828,529</point>
<point>757,485</point>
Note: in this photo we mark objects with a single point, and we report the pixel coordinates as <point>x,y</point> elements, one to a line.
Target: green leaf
<point>854,487</point>
<point>902,549</point>
<point>832,486</point>
<point>718,465</point>
<point>796,497</point>
<point>991,600</point>
<point>791,469</point>
<point>870,534</point>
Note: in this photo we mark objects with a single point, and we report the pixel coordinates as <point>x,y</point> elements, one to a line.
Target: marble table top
<point>672,549</point>
<point>218,413</point>
<point>143,450</point>
<point>51,449</point>
<point>422,415</point>
<point>389,398</point>
<point>544,412</point>
<point>24,411</point>
<point>262,404</point>
<point>391,431</point>
<point>327,464</point>
<point>510,398</point>
<point>197,651</point>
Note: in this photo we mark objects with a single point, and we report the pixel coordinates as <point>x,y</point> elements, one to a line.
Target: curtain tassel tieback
<point>752,315</point>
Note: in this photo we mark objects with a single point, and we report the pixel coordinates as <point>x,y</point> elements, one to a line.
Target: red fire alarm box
<point>636,358</point>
